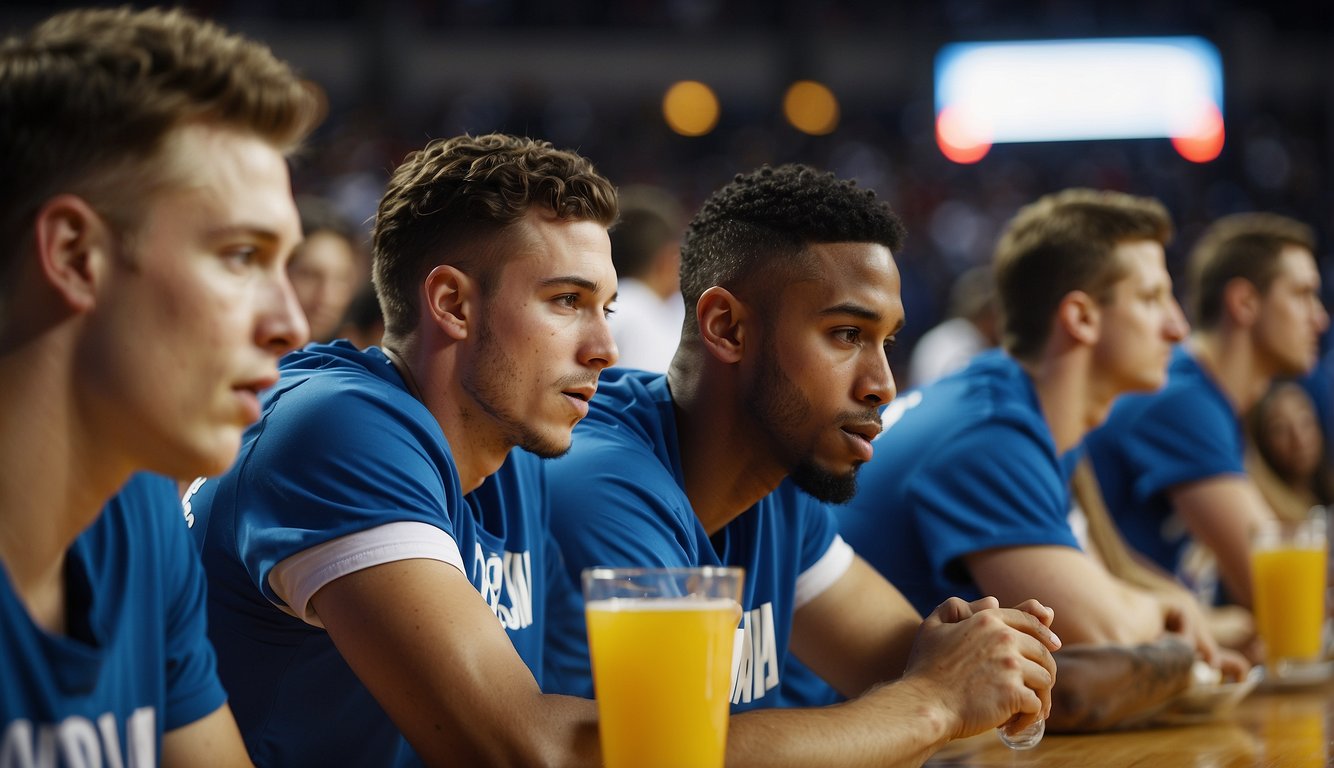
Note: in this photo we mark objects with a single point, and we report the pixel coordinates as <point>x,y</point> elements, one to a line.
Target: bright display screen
<point>1071,90</point>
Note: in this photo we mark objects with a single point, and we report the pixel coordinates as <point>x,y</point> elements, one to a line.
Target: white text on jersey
<point>512,573</point>
<point>79,743</point>
<point>757,672</point>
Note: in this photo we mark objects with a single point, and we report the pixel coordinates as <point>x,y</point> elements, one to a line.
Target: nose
<point>1321,316</point>
<point>281,324</point>
<point>1176,328</point>
<point>876,385</point>
<point>599,348</point>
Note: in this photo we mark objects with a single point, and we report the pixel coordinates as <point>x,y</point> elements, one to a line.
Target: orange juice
<point>662,672</point>
<point>1288,586</point>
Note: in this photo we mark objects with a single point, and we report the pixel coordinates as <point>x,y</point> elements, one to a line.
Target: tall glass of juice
<point>1288,570</point>
<point>661,643</point>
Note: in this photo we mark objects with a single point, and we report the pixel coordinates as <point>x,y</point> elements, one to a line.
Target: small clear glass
<point>1026,738</point>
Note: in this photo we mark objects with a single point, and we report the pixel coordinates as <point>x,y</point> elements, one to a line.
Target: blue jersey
<point>346,470</point>
<point>1319,384</point>
<point>965,464</point>
<point>1185,432</point>
<point>135,661</point>
<point>618,499</point>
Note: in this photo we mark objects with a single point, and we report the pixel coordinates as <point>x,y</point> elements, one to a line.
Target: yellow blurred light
<point>690,108</point>
<point>811,107</point>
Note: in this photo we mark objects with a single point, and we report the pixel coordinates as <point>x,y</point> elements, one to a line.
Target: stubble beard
<point>493,384</point>
<point>776,403</point>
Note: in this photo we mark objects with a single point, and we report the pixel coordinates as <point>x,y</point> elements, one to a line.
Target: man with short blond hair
<point>147,217</point>
<point>969,490</point>
<point>1171,465</point>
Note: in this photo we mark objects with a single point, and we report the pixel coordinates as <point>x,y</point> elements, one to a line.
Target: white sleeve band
<point>828,569</point>
<point>298,577</point>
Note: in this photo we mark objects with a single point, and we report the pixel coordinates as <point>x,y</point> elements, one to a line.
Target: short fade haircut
<point>767,219</point>
<point>457,202</point>
<point>89,97</point>
<point>650,219</point>
<point>1064,242</point>
<point>1242,245</point>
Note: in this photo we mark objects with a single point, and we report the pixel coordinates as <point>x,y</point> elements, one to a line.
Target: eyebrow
<point>259,233</point>
<point>858,311</point>
<point>574,280</point>
<point>855,310</point>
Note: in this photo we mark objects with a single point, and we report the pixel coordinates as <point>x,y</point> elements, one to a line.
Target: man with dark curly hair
<point>768,409</point>
<point>146,217</point>
<point>379,556</point>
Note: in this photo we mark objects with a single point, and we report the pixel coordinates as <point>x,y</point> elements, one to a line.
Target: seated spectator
<point>328,268</point>
<point>377,598</point>
<point>146,214</point>
<point>972,326</point>
<point>646,249</point>
<point>767,411</point>
<point>1286,451</point>
<point>968,491</point>
<point>1171,465</point>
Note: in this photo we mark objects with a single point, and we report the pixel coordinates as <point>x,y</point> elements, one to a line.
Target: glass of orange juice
<point>661,641</point>
<point>1288,569</point>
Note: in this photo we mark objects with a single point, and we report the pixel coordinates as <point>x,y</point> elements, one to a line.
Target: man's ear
<point>450,298</point>
<point>1241,301</point>
<point>722,320</point>
<point>74,246</point>
<point>1079,317</point>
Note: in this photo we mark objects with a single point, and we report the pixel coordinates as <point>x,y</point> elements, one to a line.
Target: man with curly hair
<point>768,409</point>
<point>146,214</point>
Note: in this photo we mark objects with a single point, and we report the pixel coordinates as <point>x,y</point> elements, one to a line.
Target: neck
<point>429,371</point>
<point>1229,358</point>
<point>57,470</point>
<point>723,455</point>
<point>1072,401</point>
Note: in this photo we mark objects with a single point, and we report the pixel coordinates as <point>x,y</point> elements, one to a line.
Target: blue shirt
<point>1319,384</point>
<point>965,464</point>
<point>135,661</point>
<point>348,470</point>
<point>618,499</point>
<point>1185,432</point>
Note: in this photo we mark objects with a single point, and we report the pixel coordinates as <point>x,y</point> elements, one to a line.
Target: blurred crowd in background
<point>591,75</point>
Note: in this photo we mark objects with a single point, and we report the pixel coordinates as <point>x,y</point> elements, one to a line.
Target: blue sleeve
<point>327,466</point>
<point>1319,384</point>
<point>1179,438</point>
<point>996,486</point>
<point>193,689</point>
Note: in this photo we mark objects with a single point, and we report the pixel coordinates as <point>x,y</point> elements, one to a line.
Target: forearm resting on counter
<point>1104,686</point>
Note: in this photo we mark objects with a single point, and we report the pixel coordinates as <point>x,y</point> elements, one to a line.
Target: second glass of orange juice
<point>1288,568</point>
